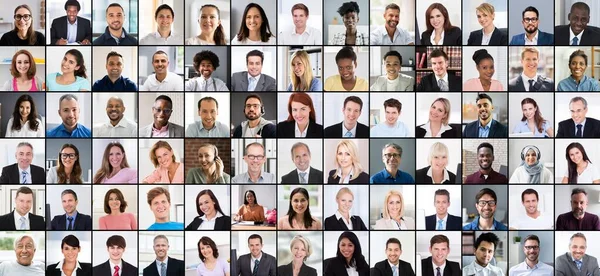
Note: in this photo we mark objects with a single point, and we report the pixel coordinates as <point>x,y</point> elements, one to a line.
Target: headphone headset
<point>527,148</point>
<point>262,107</point>
<point>216,153</point>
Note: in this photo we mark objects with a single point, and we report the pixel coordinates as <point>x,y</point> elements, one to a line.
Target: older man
<point>254,156</point>
<point>578,218</point>
<point>392,156</point>
<point>576,262</point>
<point>24,265</point>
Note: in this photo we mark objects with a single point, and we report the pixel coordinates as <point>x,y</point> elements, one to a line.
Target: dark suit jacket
<point>542,84</point>
<point>334,267</point>
<point>452,37</point>
<point>363,178</point>
<point>451,269</point>
<point>497,130</point>
<point>7,222</point>
<point>221,223</point>
<point>429,83</point>
<point>499,38</point>
<point>383,268</point>
<point>331,223</point>
<point>58,29</point>
<point>82,222</point>
<point>10,175</point>
<point>314,177</point>
<point>421,177</point>
<point>85,270</point>
<point>566,128</point>
<point>175,267</point>
<point>126,270</point>
<point>590,37</point>
<point>335,131</point>
<point>267,266</point>
<point>287,270</point>
<point>452,223</point>
<point>287,129</point>
<point>543,39</point>
<point>239,82</point>
<point>451,133</point>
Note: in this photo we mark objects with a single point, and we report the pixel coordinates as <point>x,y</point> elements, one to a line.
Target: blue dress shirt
<point>79,132</point>
<point>74,219</point>
<point>475,225</point>
<point>383,177</point>
<point>122,84</point>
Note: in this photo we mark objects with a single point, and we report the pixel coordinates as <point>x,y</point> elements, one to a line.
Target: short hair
<point>393,53</point>
<point>482,96</point>
<point>114,5</point>
<point>206,55</point>
<point>21,237</point>
<point>580,5</point>
<point>116,240</point>
<point>533,238</point>
<point>528,192</point>
<point>439,239</point>
<point>24,190</point>
<point>69,191</point>
<point>157,191</point>
<point>438,53</point>
<point>392,6</point>
<point>300,6</point>
<point>531,9</point>
<point>353,99</point>
<point>442,192</point>
<point>437,149</point>
<point>253,144</point>
<point>297,145</point>
<point>487,237</point>
<point>578,53</point>
<point>25,144</point>
<point>577,235</point>
<point>120,197</point>
<point>207,241</point>
<point>160,52</point>
<point>578,191</point>
<point>73,3</point>
<point>67,97</point>
<point>486,191</point>
<point>577,99</point>
<point>255,53</point>
<point>348,7</point>
<point>70,240</point>
<point>305,242</point>
<point>208,98</point>
<point>530,49</point>
<point>256,96</point>
<point>113,54</point>
<point>347,52</point>
<point>158,145</point>
<point>395,146</point>
<point>163,7</point>
<point>391,102</point>
<point>255,236</point>
<point>32,67</point>
<point>486,8</point>
<point>486,145</point>
<point>393,240</point>
<point>161,237</point>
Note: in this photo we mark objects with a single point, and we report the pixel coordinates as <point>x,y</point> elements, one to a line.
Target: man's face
<point>439,252</point>
<point>578,246</point>
<point>69,203</point>
<point>393,252</point>
<point>23,203</point>
<point>578,111</point>
<point>254,64</point>
<point>351,111</point>
<point>301,158</point>
<point>206,68</point>
<point>439,66</point>
<point>161,246</point>
<point>392,17</point>
<point>531,248</point>
<point>530,63</point>
<point>160,62</point>
<point>391,159</point>
<point>485,158</point>
<point>252,109</point>
<point>530,22</point>
<point>530,202</point>
<point>300,18</point>
<point>392,66</point>
<point>441,202</point>
<point>391,115</point>
<point>255,246</point>
<point>579,204</point>
<point>24,156</point>
<point>578,19</point>
<point>72,13</point>
<point>162,111</point>
<point>164,19</point>
<point>160,206</point>
<point>115,109</point>
<point>114,66</point>
<point>255,158</point>
<point>485,108</point>
<point>484,253</point>
<point>25,251</point>
<point>115,253</point>
<point>346,67</point>
<point>487,210</point>
<point>208,113</point>
<point>115,18</point>
<point>69,112</point>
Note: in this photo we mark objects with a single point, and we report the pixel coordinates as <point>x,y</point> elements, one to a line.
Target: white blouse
<point>25,131</point>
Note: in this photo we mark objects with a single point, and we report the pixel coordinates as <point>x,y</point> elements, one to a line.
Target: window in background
<point>99,16</point>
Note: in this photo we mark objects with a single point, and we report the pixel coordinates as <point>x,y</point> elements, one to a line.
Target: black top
<point>12,39</point>
<point>421,177</point>
<point>288,270</point>
<point>452,37</point>
<point>383,268</point>
<point>499,38</point>
<point>454,132</point>
<point>331,223</point>
<point>335,131</point>
<point>451,269</point>
<point>221,223</point>
<point>7,222</point>
<point>429,83</point>
<point>363,178</point>
<point>335,267</point>
<point>590,37</point>
<point>86,269</point>
<point>566,128</point>
<point>287,129</point>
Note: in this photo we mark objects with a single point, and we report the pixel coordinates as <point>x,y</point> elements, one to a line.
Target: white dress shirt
<point>172,82</point>
<point>25,130</point>
<point>298,133</point>
<point>379,36</point>
<point>444,224</point>
<point>339,216</point>
<point>208,224</point>
<point>28,177</point>
<point>572,35</point>
<point>485,39</point>
<point>430,174</point>
<point>442,267</point>
<point>432,38</point>
<point>526,81</point>
<point>348,177</point>
<point>112,267</point>
<point>427,128</point>
<point>344,130</point>
<point>534,41</point>
<point>18,221</point>
<point>124,128</point>
<point>62,273</point>
<point>158,265</point>
<point>306,176</point>
<point>155,39</point>
<point>310,36</point>
<point>252,259</point>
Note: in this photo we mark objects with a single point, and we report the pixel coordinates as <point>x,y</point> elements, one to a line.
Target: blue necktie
<point>440,225</point>
<point>575,41</point>
<point>23,224</point>
<point>252,84</point>
<point>394,270</point>
<point>255,270</point>
<point>302,178</point>
<point>163,269</point>
<point>23,177</point>
<point>348,134</point>
<point>70,219</point>
<point>579,263</point>
<point>579,133</point>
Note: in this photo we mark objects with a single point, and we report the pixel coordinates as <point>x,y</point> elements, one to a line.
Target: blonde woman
<point>342,220</point>
<point>348,166</point>
<point>301,75</point>
<point>438,123</point>
<point>393,214</point>
<point>300,250</point>
<point>167,170</point>
<point>211,167</point>
<point>115,168</point>
<point>436,172</point>
<point>489,34</point>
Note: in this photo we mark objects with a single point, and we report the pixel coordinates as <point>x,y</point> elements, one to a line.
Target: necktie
<point>440,225</point>
<point>579,263</point>
<point>394,270</point>
<point>163,269</point>
<point>531,88</point>
<point>252,84</point>
<point>255,270</point>
<point>70,219</point>
<point>205,85</point>
<point>575,41</point>
<point>443,85</point>
<point>302,178</point>
<point>24,177</point>
<point>348,134</point>
<point>579,133</point>
<point>438,271</point>
<point>116,271</point>
<point>23,224</point>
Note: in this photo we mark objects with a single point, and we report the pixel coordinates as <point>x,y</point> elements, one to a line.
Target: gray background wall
<point>408,155</point>
<point>330,11</point>
<point>237,108</point>
<point>222,72</point>
<point>237,11</point>
<point>7,105</point>
<point>85,153</point>
<point>515,16</point>
<point>468,199</point>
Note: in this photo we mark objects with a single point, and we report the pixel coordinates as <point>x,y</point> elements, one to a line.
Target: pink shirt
<point>33,85</point>
<point>475,85</point>
<point>162,132</point>
<point>125,221</point>
<point>125,175</point>
<point>284,224</point>
<point>161,175</point>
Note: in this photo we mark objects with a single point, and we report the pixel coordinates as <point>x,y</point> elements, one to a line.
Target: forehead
<point>298,12</point>
<point>68,196</point>
<point>529,54</point>
<point>438,59</point>
<point>484,101</point>
<point>436,12</point>
<point>344,62</point>
<point>22,56</point>
<point>253,11</point>
<point>114,10</point>
<point>530,14</point>
<point>392,11</point>
<point>579,196</point>
<point>205,150</point>
<point>578,241</point>
<point>24,195</point>
<point>252,101</point>
<point>392,58</point>
<point>209,10</point>
<point>486,245</point>
<point>255,59</point>
<point>529,197</point>
<point>577,104</point>
<point>300,149</point>
<point>159,56</point>
<point>68,150</point>
<point>115,59</point>
<point>25,240</point>
<point>162,150</point>
<point>485,150</point>
<point>161,102</point>
<point>441,197</point>
<point>115,149</point>
<point>298,195</point>
<point>255,149</point>
<point>24,148</point>
<point>23,11</point>
<point>113,101</point>
<point>68,103</point>
<point>208,104</point>
<point>486,197</point>
<point>390,150</point>
<point>579,11</point>
<point>353,105</point>
<point>531,242</point>
<point>165,11</point>
<point>161,241</point>
<point>160,197</point>
<point>393,245</point>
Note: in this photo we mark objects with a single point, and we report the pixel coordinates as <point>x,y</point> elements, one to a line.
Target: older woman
<point>580,169</point>
<point>533,121</point>
<point>578,81</point>
<point>73,76</point>
<point>301,249</point>
<point>24,121</point>
<point>298,216</point>
<point>23,71</point>
<point>348,260</point>
<point>211,167</point>
<point>211,29</point>
<point>301,75</point>
<point>349,12</point>
<point>489,34</point>
<point>438,123</point>
<point>485,66</point>
<point>205,63</point>
<point>116,218</point>
<point>167,170</point>
<point>393,214</point>
<point>348,168</point>
<point>210,216</point>
<point>68,170</point>
<point>342,219</point>
<point>531,170</point>
<point>254,28</point>
<point>439,29</point>
<point>251,210</point>
<point>114,167</point>
<point>70,248</point>
<point>436,172</point>
<point>209,264</point>
<point>23,34</point>
<point>301,121</point>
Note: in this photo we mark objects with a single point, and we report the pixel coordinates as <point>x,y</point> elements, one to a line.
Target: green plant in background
<point>7,243</point>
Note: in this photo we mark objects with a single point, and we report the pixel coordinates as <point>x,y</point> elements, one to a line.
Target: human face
<point>484,253</point>
<point>115,109</point>
<point>252,109</point>
<point>254,64</point>
<point>579,204</point>
<point>72,14</point>
<point>530,22</point>
<point>576,156</point>
<point>115,18</point>
<point>578,111</point>
<point>484,19</point>
<point>529,111</point>
<point>23,25</point>
<point>577,67</point>
<point>439,252</point>
<point>161,246</point>
<point>25,251</point>
<point>485,158</point>
<point>487,211</point>
<point>344,158</point>
<point>344,202</point>
<point>391,159</point>
<point>160,206</point>
<point>206,204</point>
<point>485,108</point>
<point>115,253</point>
<point>209,19</point>
<point>164,19</point>
<point>206,250</point>
<point>346,248</point>
<point>208,113</point>
<point>530,63</point>
<point>530,202</point>
<point>114,203</point>
<point>24,110</point>
<point>530,157</point>
<point>439,161</point>
<point>394,206</point>
<point>299,203</point>
<point>162,118</point>
<point>392,18</point>
<point>578,246</point>
<point>351,111</point>
<point>206,156</point>
<point>436,19</point>
<point>66,160</point>
<point>70,252</point>
<point>437,112</point>
<point>391,115</point>
<point>578,18</point>
<point>301,158</point>
<point>486,69</point>
<point>298,67</point>
<point>346,68</point>
<point>301,113</point>
<point>69,112</point>
<point>22,64</point>
<point>300,18</point>
<point>69,203</point>
<point>439,65</point>
<point>392,66</point>
<point>258,153</point>
<point>250,198</point>
<point>24,156</point>
<point>253,20</point>
<point>350,20</point>
<point>441,203</point>
<point>115,157</point>
<point>298,251</point>
<point>69,64</point>
<point>206,68</point>
<point>532,254</point>
<point>164,157</point>
<point>23,203</point>
<point>160,62</point>
<point>114,66</point>
<point>393,252</point>
<point>255,246</point>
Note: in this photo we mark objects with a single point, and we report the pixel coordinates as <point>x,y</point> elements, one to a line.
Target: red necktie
<point>116,271</point>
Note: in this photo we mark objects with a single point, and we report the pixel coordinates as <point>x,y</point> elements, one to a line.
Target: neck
<point>173,167</point>
<point>210,170</point>
<point>302,127</point>
<point>72,213</point>
<point>534,215</point>
<point>208,37</point>
<point>485,171</point>
<point>441,216</point>
<point>394,263</point>
<point>208,126</point>
<point>161,76</point>
<point>350,31</point>
<point>22,33</point>
<point>299,218</point>
<point>477,261</point>
<point>70,128</point>
<point>24,119</point>
<point>392,171</point>
<point>161,220</point>
<point>211,215</point>
<point>390,30</point>
<point>348,126</point>
<point>391,124</point>
<point>530,36</point>
<point>344,213</point>
<point>114,79</point>
<point>116,33</point>
<point>532,120</point>
<point>20,213</point>
<point>69,77</point>
<point>164,33</point>
<point>253,123</point>
<point>254,175</point>
<point>485,81</point>
<point>296,264</point>
<point>115,261</point>
<point>530,75</point>
<point>68,170</point>
<point>300,30</point>
<point>392,77</point>
<point>158,125</point>
<point>489,29</point>
<point>115,212</point>
<point>582,165</point>
<point>579,217</point>
<point>69,263</point>
<point>486,223</point>
<point>486,121</point>
<point>438,264</point>
<point>438,31</point>
<point>531,263</point>
<point>254,35</point>
<point>435,125</point>
<point>162,259</point>
<point>23,78</point>
<point>346,171</point>
<point>209,259</point>
<point>577,78</point>
<point>115,122</point>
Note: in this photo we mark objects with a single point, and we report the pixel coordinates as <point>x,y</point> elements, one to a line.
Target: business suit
<point>452,37</point>
<point>454,132</point>
<point>452,223</point>
<point>59,28</point>
<point>564,266</point>
<point>590,36</point>
<point>404,83</point>
<point>221,223</point>
<point>239,82</point>
<point>11,174</point>
<point>383,268</point>
<point>543,39</point>
<point>421,177</point>
<point>566,128</point>
<point>287,129</point>
<point>314,177</point>
<point>497,130</point>
<point>175,130</point>
<point>363,178</point>
<point>104,269</point>
<point>175,267</point>
<point>86,269</point>
<point>336,267</point>
<point>335,131</point>
<point>332,223</point>
<point>82,222</point>
<point>7,222</point>
<point>499,38</point>
<point>266,267</point>
<point>542,84</point>
<point>429,83</point>
<point>451,269</point>
<point>288,270</point>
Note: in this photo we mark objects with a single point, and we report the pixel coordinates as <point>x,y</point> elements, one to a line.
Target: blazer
<point>267,267</point>
<point>451,269</point>
<point>452,223</point>
<point>451,133</point>
<point>335,131</point>
<point>405,83</point>
<point>7,222</point>
<point>566,128</point>
<point>175,130</point>
<point>452,37</point>
<point>542,84</point>
<point>335,267</point>
<point>421,177</point>
<point>429,83</point>
<point>126,270</point>
<point>58,29</point>
<point>543,39</point>
<point>331,223</point>
<point>499,38</point>
<point>287,129</point>
<point>221,223</point>
<point>175,267</point>
<point>497,130</point>
<point>85,270</point>
<point>383,268</point>
<point>10,175</point>
<point>564,266</point>
<point>590,37</point>
<point>82,222</point>
<point>314,177</point>
<point>288,270</point>
<point>363,178</point>
<point>239,82</point>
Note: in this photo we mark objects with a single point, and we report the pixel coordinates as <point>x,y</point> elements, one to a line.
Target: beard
<point>531,32</point>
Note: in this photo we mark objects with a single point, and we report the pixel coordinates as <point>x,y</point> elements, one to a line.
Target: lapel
<point>520,85</point>
<point>245,81</point>
<point>260,83</point>
<point>492,129</point>
<point>496,36</point>
<point>434,85</point>
<point>388,268</point>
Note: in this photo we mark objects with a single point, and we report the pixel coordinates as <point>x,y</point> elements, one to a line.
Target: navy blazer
<point>126,270</point>
<point>82,222</point>
<point>335,131</point>
<point>499,38</point>
<point>10,174</point>
<point>497,130</point>
<point>452,223</point>
<point>429,83</point>
<point>566,128</point>
<point>287,129</point>
<point>383,268</point>
<point>543,39</point>
<point>451,269</point>
<point>85,270</point>
<point>58,29</point>
<point>541,85</point>
<point>221,223</point>
<point>452,37</point>
<point>363,178</point>
<point>314,177</point>
<point>590,37</point>
<point>331,223</point>
<point>7,222</point>
<point>175,267</point>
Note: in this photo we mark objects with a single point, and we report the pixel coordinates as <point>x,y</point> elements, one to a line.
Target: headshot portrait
<point>576,19</point>
<point>436,210</point>
<point>24,115</point>
<point>346,161</point>
<point>392,207</point>
<point>486,250</point>
<point>70,207</point>
<point>352,72</point>
<point>115,207</point>
<point>258,74</point>
<point>161,252</point>
<point>27,69</point>
<point>530,70</point>
<point>298,119</point>
<point>115,69</point>
<point>73,115</point>
<point>389,25</point>
<point>574,112</point>
<point>571,243</point>
<point>533,251</point>
<point>253,203</point>
<point>341,249</point>
<point>301,251</point>
<point>531,161</point>
<point>26,166</point>
<point>207,115</point>
<point>350,209</point>
<point>530,23</point>
<point>68,161</point>
<point>306,166</point>
<point>483,165</point>
<point>163,208</point>
<point>160,117</point>
<point>351,122</point>
<point>117,19</point>
<point>67,69</point>
<point>439,69</point>
<point>250,22</point>
<point>392,116</point>
<point>578,166</point>
<point>531,208</point>
<point>486,208</point>
<point>249,245</point>
<point>439,161</point>
<point>344,24</point>
<point>30,247</point>
<point>485,23</point>
<point>115,116</point>
<point>255,161</point>
<point>69,250</point>
<point>27,31</point>
<point>118,162</point>
<point>300,23</point>
<point>259,116</point>
<point>435,249</point>
<point>206,207</point>
<point>300,69</point>
<point>26,208</point>
<point>210,24</point>
<point>207,249</point>
<point>579,214</point>
<point>533,118</point>
<point>207,161</point>
<point>71,23</point>
<point>209,71</point>
<point>165,156</point>
<point>439,24</point>
<point>490,69</point>
<point>393,251</point>
<point>161,24</point>
<point>391,161</point>
<point>161,69</point>
<point>397,70</point>
<point>575,77</point>
<point>121,248</point>
<point>438,115</point>
<point>294,207</point>
<point>485,115</point>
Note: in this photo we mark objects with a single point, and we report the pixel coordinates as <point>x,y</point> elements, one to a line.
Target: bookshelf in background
<point>423,64</point>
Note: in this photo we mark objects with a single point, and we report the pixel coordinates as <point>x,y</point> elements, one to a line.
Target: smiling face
<point>301,158</point>
<point>253,20</point>
<point>577,66</point>
<point>115,157</point>
<point>298,250</point>
<point>256,164</point>
<point>300,18</point>
<point>23,203</point>
<point>579,204</point>
<point>350,21</point>
<point>206,68</point>
<point>207,205</point>
<point>24,156</point>
<point>23,25</point>
<point>161,118</point>
<point>161,246</point>
<point>206,250</point>
<point>531,157</point>
<point>578,111</point>
<point>164,157</point>
<point>24,110</point>
<point>533,253</point>
<point>115,18</point>
<point>392,66</point>
<point>69,112</point>
<point>576,156</point>
<point>22,64</point>
<point>208,113</point>
<point>352,111</point>
<point>439,252</point>
<point>578,19</point>
<point>392,18</point>
<point>528,22</point>
<point>346,248</point>
<point>394,206</point>
<point>530,63</point>
<point>164,19</point>
<point>301,113</point>
<point>72,14</point>
<point>530,202</point>
<point>252,109</point>
<point>577,246</point>
<point>115,109</point>
<point>69,64</point>
<point>393,252</point>
<point>209,19</point>
<point>436,19</point>
<point>485,158</point>
<point>69,203</point>
<point>486,69</point>
<point>484,253</point>
<point>25,251</point>
<point>391,159</point>
<point>344,202</point>
<point>254,64</point>
<point>114,203</point>
<point>529,111</point>
<point>484,19</point>
<point>441,203</point>
<point>255,246</point>
<point>343,157</point>
<point>346,68</point>
<point>484,108</point>
<point>299,203</point>
<point>206,156</point>
<point>391,115</point>
<point>66,160</point>
<point>487,211</point>
<point>160,62</point>
<point>250,197</point>
<point>70,253</point>
<point>437,112</point>
<point>439,65</point>
<point>298,67</point>
<point>160,206</point>
<point>114,66</point>
<point>115,253</point>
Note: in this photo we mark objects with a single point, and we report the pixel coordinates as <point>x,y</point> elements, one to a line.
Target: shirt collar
<point>60,265</point>
<point>166,262</point>
<point>479,267</point>
<point>254,259</point>
<point>445,78</point>
<point>112,266</point>
<point>486,127</point>
<point>28,170</point>
<point>431,39</point>
<point>74,24</point>
<point>582,123</point>
<point>307,171</point>
<point>256,78</point>
<point>121,123</point>
<point>387,174</point>
<point>526,79</point>
<point>203,218</point>
<point>353,130</point>
<point>157,35</point>
<point>339,173</point>
<point>572,35</point>
<point>535,38</point>
<point>307,30</point>
<point>427,128</point>
<point>296,129</point>
<point>250,179</point>
<point>74,216</point>
<point>430,174</point>
<point>162,129</point>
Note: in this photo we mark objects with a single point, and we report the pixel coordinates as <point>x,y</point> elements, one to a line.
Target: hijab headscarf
<point>534,170</point>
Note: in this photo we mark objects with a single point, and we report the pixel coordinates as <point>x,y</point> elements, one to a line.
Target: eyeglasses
<point>391,155</point>
<point>490,203</point>
<point>68,155</point>
<point>257,157</point>
<point>18,17</point>
<point>532,247</point>
<point>28,246</point>
<point>159,110</point>
<point>530,19</point>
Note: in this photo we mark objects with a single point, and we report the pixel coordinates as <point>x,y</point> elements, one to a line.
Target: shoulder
<point>474,33</point>
<point>239,74</point>
<point>456,31</point>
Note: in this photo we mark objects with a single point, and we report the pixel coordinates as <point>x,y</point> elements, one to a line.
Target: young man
<point>393,80</point>
<point>114,33</point>
<point>533,218</point>
<point>532,265</point>
<point>485,126</point>
<point>71,28</point>
<point>69,113</point>
<point>164,17</point>
<point>115,245</point>
<point>438,263</point>
<point>532,35</point>
<point>114,81</point>
<point>162,79</point>
<point>350,127</point>
<point>164,265</point>
<point>440,79</point>
<point>301,34</point>
<point>390,33</point>
<point>208,126</point>
<point>392,266</point>
<point>442,220</point>
<point>161,127</point>
<point>485,202</point>
<point>529,80</point>
<point>391,127</point>
<point>485,246</point>
<point>256,125</point>
<point>117,125</point>
<point>71,219</point>
<point>159,200</point>
<point>257,262</point>
<point>486,174</point>
<point>253,79</point>
<point>20,218</point>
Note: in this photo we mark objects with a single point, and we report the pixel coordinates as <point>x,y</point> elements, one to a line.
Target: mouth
<point>578,72</point>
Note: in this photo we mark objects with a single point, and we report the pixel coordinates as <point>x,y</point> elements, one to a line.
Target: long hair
<point>219,35</point>
<point>572,167</point>
<point>291,213</point>
<point>265,30</point>
<point>217,161</point>
<point>212,197</point>
<point>246,201</point>
<point>447,109</point>
<point>353,150</point>
<point>31,36</point>
<point>13,66</point>
<point>537,117</point>
<point>305,99</point>
<point>207,241</point>
<point>357,257</point>
<point>75,176</point>
<point>81,72</point>
<point>105,168</point>
<point>32,118</point>
<point>301,83</point>
<point>158,145</point>
<point>386,213</point>
<point>443,10</point>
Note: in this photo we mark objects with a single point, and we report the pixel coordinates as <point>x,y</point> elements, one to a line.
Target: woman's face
<point>345,202</point>
<point>436,19</point>
<point>485,19</point>
<point>350,20</point>
<point>439,161</point>
<point>346,248</point>
<point>298,67</point>
<point>344,159</point>
<point>530,157</point>
<point>23,25</point>
<point>206,250</point>
<point>253,20</point>
<point>486,69</point>
<point>299,203</point>
<point>69,64</point>
<point>301,113</point>
<point>206,204</point>
<point>206,156</point>
<point>250,198</point>
<point>164,157</point>
<point>64,155</point>
<point>115,157</point>
<point>114,202</point>
<point>437,112</point>
<point>209,19</point>
<point>298,250</point>
<point>22,63</point>
<point>575,155</point>
<point>529,111</point>
<point>24,109</point>
<point>70,252</point>
<point>577,66</point>
<point>394,206</point>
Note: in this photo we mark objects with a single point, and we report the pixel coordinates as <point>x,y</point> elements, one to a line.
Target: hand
<point>61,41</point>
<point>85,42</point>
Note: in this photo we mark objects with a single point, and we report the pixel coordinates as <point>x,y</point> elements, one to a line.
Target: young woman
<point>70,248</point>
<point>301,121</point>
<point>24,121</point>
<point>167,170</point>
<point>209,264</point>
<point>254,29</point>
<point>580,169</point>
<point>485,66</point>
<point>211,170</point>
<point>436,172</point>
<point>533,121</point>
<point>349,12</point>
<point>439,29</point>
<point>23,33</point>
<point>578,81</point>
<point>342,219</point>
<point>298,216</point>
<point>23,70</point>
<point>489,34</point>
<point>348,166</point>
<point>68,170</point>
<point>393,214</point>
<point>348,259</point>
<point>251,210</point>
<point>301,75</point>
<point>210,216</point>
<point>114,167</point>
<point>211,29</point>
<point>438,124</point>
<point>73,75</point>
<point>116,218</point>
<point>531,170</point>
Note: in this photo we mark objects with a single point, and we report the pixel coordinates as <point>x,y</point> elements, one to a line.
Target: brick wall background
<point>191,152</point>
<point>469,154</point>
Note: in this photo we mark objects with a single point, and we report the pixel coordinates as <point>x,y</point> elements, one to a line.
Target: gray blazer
<point>266,267</point>
<point>564,266</point>
<point>239,82</point>
<point>406,83</point>
<point>175,130</point>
